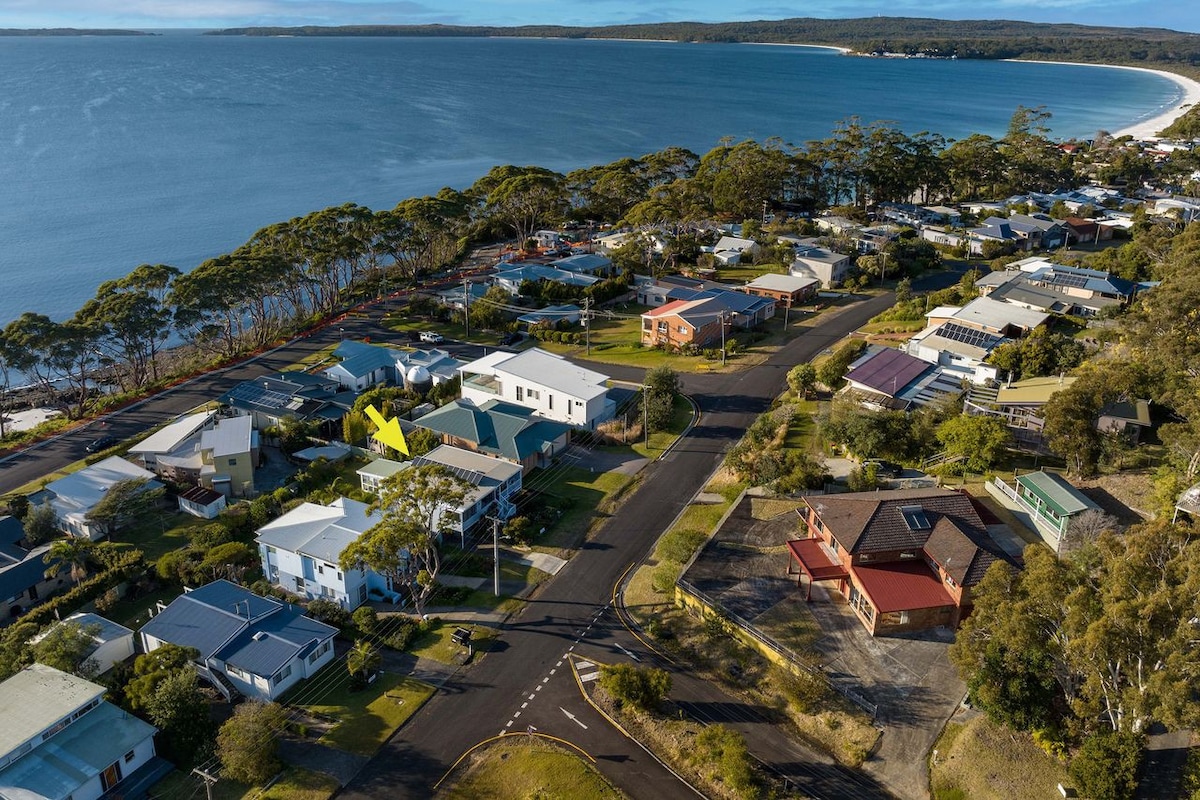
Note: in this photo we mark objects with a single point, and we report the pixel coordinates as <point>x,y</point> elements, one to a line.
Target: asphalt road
<point>33,463</point>
<point>525,681</point>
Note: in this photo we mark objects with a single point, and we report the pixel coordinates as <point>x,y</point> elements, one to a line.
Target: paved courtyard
<point>908,677</point>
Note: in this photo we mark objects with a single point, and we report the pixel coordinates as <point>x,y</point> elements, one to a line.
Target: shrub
<point>664,577</point>
<point>1105,768</point>
<point>641,687</point>
<point>365,619</point>
<point>401,633</point>
<point>679,545</point>
<point>329,612</point>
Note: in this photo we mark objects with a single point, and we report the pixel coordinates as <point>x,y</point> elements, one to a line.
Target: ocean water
<point>175,148</point>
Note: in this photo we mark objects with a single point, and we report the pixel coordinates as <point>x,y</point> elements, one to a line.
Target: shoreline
<point>1147,128</point>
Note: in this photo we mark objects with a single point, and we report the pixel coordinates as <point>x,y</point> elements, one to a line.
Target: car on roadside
<point>101,444</point>
<point>884,469</point>
<point>432,338</point>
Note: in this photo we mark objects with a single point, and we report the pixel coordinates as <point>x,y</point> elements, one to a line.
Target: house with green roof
<point>500,429</point>
<point>1047,500</point>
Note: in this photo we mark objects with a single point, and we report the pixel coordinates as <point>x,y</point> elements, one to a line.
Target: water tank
<point>418,379</point>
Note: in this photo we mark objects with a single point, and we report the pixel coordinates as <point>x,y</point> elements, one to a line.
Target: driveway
<point>908,677</point>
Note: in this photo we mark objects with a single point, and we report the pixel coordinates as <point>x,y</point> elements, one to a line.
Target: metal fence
<point>843,688</point>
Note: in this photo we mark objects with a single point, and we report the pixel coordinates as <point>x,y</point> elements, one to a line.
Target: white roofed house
<point>75,495</point>
<point>958,349</point>
<point>733,249</point>
<point>993,316</point>
<point>61,740</point>
<point>810,260</point>
<point>552,386</point>
<point>364,365</point>
<point>301,549</point>
<point>175,439</point>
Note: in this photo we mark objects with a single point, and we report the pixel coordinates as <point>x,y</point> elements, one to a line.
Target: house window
<point>130,756</point>
<point>520,393</point>
<point>339,575</point>
<point>282,674</point>
<point>233,462</point>
<point>362,593</point>
<point>234,671</point>
<point>550,401</point>
<point>533,394</point>
<point>683,330</point>
<point>320,569</point>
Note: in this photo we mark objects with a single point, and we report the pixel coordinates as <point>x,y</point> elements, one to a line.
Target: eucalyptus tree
<point>607,192</point>
<point>421,234</point>
<point>668,165</point>
<point>973,167</point>
<point>527,201</point>
<point>132,321</point>
<point>1033,161</point>
<point>54,353</point>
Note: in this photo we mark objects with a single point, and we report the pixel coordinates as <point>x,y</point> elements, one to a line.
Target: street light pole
<point>466,308</point>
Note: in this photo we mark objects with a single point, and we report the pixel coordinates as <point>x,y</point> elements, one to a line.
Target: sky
<point>1183,15</point>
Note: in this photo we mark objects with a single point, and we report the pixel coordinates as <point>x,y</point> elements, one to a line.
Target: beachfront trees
<point>420,234</point>
<point>419,507</point>
<point>973,166</point>
<point>521,199</point>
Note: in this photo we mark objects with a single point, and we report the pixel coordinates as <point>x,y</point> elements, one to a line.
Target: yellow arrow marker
<point>389,430</point>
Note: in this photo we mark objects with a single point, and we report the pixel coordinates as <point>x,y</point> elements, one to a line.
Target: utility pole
<point>466,308</point>
<point>208,779</point>
<point>646,414</point>
<point>587,324</point>
<point>722,321</point>
<point>496,555</point>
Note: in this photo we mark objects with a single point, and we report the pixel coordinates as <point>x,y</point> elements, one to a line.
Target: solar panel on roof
<point>257,395</point>
<point>1072,281</point>
<point>970,336</point>
<point>472,477</point>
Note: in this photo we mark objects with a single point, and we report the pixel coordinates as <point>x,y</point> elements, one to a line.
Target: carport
<point>815,562</point>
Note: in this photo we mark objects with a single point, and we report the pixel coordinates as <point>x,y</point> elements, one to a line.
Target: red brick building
<point>905,560</point>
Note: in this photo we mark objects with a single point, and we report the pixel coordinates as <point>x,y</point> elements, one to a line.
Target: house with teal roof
<point>499,429</point>
<point>1046,500</point>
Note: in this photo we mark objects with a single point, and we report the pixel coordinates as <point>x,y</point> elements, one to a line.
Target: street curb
<point>691,424</point>
<point>623,731</point>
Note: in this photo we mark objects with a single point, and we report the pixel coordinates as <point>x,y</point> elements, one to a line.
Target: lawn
<point>294,784</point>
<point>802,433</point>
<point>161,532</point>
<point>587,497</point>
<point>133,614</point>
<point>368,717</point>
<point>526,768</point>
<point>744,273</point>
<point>984,761</point>
<point>435,642</point>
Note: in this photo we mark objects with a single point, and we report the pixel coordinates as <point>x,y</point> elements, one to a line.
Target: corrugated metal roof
<point>888,371</point>
<point>35,698</point>
<point>167,438</point>
<point>902,586</point>
<point>1056,492</point>
<point>229,437</point>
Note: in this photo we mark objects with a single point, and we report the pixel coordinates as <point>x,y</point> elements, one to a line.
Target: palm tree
<point>363,659</point>
<point>73,553</point>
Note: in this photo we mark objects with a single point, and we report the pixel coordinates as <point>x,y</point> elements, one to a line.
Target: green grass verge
<point>367,717</point>
<point>529,768</point>
<point>294,784</point>
<point>435,642</point>
<point>589,495</point>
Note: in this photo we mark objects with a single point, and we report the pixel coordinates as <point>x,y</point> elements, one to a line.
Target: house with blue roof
<point>510,280</point>
<point>295,394</point>
<point>249,645</point>
<point>585,264</point>
<point>23,581</point>
<point>500,429</point>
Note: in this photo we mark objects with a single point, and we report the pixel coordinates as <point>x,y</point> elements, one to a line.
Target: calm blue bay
<point>176,148</point>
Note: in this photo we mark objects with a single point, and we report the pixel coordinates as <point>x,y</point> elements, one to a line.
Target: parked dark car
<point>103,443</point>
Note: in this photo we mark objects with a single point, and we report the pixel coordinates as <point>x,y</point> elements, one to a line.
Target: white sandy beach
<point>1147,129</point>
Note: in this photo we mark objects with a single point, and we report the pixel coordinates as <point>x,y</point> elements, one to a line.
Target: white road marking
<point>516,715</point>
<point>584,664</point>
<point>526,703</point>
<point>572,717</point>
<point>553,671</point>
<point>508,724</point>
<point>546,679</point>
<point>591,676</point>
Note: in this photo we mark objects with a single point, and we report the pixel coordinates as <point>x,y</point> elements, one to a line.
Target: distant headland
<point>930,38</point>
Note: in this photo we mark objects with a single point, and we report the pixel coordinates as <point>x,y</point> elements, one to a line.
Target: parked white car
<point>431,337</point>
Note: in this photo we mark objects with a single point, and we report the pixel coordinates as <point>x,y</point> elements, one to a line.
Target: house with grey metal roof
<point>364,365</point>
<point>74,496</point>
<point>552,386</point>
<point>300,552</point>
<point>499,429</point>
<point>111,644</point>
<point>295,394</point>
<point>61,739</point>
<point>494,483</point>
<point>250,645</point>
<point>958,349</point>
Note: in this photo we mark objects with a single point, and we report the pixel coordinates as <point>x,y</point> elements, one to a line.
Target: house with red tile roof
<point>686,322</point>
<point>905,560</point>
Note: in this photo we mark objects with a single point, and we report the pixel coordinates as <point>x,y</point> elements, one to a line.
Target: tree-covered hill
<point>988,39</point>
